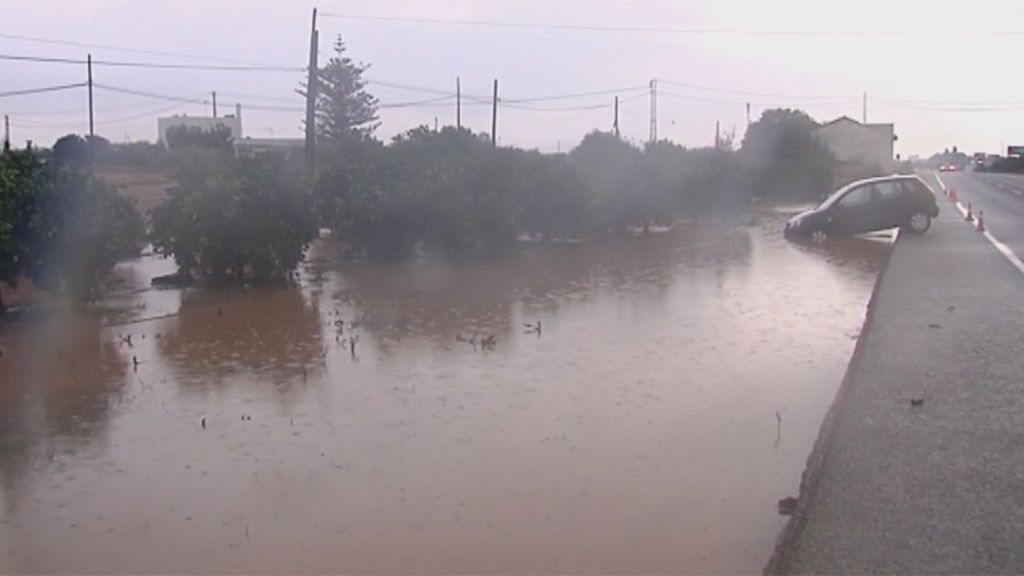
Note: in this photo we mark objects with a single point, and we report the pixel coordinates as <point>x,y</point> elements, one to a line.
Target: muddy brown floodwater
<point>636,433</point>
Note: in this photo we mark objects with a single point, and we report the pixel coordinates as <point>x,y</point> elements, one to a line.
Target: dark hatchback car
<point>867,206</point>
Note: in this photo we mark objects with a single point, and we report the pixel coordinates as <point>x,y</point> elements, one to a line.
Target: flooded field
<point>637,432</point>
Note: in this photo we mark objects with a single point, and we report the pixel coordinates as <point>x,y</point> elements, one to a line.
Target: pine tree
<point>343,106</point>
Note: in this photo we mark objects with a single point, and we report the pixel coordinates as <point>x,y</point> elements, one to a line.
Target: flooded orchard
<point>667,403</point>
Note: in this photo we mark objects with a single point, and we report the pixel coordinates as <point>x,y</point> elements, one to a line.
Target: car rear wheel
<point>919,222</point>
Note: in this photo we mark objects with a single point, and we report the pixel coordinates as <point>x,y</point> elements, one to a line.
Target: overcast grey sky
<point>945,73</point>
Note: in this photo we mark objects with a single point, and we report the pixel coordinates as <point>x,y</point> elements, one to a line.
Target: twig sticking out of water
<point>533,328</point>
<point>778,425</point>
<point>471,341</point>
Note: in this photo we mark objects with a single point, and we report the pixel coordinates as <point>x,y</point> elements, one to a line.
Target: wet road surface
<point>999,196</point>
<point>636,433</point>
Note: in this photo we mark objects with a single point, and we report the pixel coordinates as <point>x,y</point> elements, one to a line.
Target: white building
<point>250,147</point>
<point>207,123</point>
<point>853,142</point>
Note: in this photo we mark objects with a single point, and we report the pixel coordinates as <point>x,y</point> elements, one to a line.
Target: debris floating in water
<point>788,505</point>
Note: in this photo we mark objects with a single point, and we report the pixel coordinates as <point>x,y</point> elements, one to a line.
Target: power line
<point>574,96</point>
<point>41,90</point>
<point>152,65</point>
<point>294,99</point>
<point>559,109</point>
<point>248,106</point>
<point>434,101</point>
<point>949,108</point>
<point>129,50</point>
<point>410,88</point>
<point>150,113</point>
<point>746,93</point>
<point>761,103</point>
<point>703,31</point>
<point>521,103</point>
<point>144,94</point>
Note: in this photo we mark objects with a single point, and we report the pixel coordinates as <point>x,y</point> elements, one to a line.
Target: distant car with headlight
<point>867,206</point>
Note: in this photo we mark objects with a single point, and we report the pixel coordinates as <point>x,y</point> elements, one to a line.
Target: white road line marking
<point>1005,250</point>
<point>1002,248</point>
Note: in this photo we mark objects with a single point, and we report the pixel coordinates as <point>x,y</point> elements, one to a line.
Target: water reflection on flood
<point>636,433</point>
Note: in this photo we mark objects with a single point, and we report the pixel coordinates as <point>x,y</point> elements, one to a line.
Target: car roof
<point>890,178</point>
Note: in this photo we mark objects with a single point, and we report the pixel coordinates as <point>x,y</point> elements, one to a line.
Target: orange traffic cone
<point>970,216</point>
<point>981,221</point>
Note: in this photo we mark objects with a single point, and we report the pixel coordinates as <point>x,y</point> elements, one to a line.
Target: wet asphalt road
<point>1000,197</point>
<point>936,487</point>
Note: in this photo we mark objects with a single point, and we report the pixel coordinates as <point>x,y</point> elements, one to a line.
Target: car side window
<point>889,190</point>
<point>916,188</point>
<point>860,196</point>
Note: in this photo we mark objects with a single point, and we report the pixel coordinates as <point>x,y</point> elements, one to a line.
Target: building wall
<point>852,141</point>
<point>250,147</point>
<point>207,123</point>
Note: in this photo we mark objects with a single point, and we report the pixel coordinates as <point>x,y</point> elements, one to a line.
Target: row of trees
<point>59,225</point>
<point>450,192</point>
<point>447,192</point>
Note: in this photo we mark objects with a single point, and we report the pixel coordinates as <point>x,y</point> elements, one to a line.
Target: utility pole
<point>616,124</point>
<point>214,103</point>
<point>311,93</point>
<point>718,137</point>
<point>865,111</point>
<point>7,133</point>
<point>748,115</point>
<point>654,111</point>
<point>435,124</point>
<point>91,124</point>
<point>458,103</point>
<point>494,117</point>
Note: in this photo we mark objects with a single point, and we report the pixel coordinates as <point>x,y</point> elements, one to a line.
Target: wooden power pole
<point>458,103</point>
<point>214,103</point>
<point>616,124</point>
<point>654,111</point>
<point>311,94</point>
<point>92,131</point>
<point>494,117</point>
